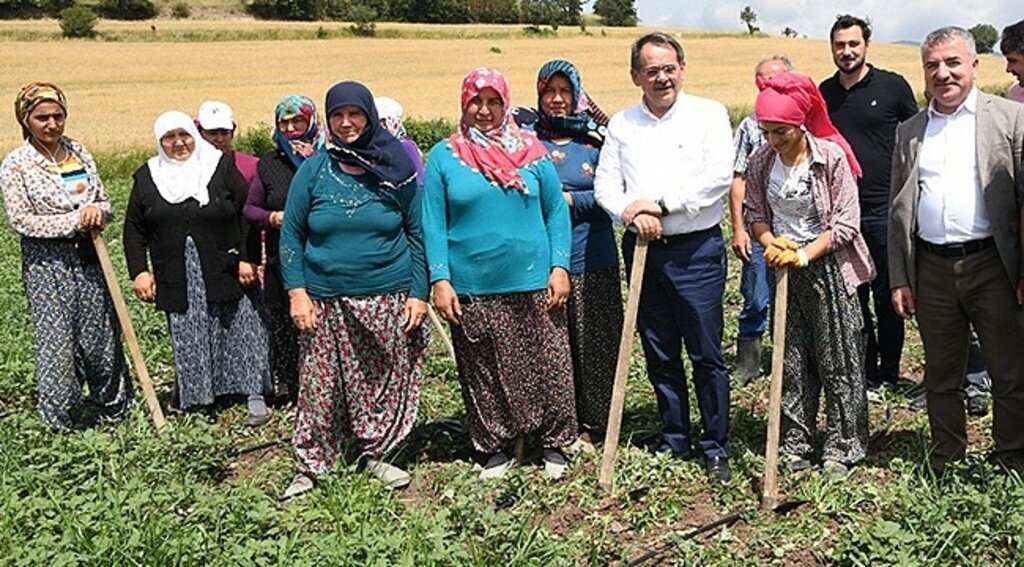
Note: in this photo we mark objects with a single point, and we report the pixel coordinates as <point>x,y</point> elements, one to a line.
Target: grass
<point>116,89</point>
<point>122,494</point>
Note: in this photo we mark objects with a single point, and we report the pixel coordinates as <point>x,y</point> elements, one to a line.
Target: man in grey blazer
<point>954,244</point>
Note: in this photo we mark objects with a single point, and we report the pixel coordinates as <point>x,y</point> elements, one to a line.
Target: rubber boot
<point>748,360</point>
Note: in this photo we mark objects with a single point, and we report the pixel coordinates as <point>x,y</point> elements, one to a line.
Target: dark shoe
<point>978,405</point>
<point>667,452</point>
<point>920,403</point>
<point>748,360</point>
<point>718,468</point>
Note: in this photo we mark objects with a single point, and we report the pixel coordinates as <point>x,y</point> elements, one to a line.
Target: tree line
<point>553,13</point>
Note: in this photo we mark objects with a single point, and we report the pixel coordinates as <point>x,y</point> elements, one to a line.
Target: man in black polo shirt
<point>866,104</point>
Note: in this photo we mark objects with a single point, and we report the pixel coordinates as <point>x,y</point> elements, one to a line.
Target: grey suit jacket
<point>1000,136</point>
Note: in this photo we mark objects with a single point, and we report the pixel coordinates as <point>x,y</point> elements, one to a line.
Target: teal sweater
<point>343,235</point>
<point>485,239</point>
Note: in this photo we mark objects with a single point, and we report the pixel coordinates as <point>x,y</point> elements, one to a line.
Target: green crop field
<point>125,495</point>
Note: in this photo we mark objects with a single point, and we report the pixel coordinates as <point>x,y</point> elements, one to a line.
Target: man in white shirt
<point>665,167</point>
<point>954,244</point>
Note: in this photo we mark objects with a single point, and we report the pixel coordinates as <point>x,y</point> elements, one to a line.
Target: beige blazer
<point>1000,136</point>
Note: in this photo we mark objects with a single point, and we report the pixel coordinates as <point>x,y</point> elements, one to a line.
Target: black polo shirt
<point>867,115</point>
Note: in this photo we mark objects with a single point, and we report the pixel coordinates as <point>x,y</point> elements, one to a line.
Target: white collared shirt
<point>683,158</point>
<point>951,207</point>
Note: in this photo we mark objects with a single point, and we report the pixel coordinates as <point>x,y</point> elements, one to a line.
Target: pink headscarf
<point>499,153</point>
<point>792,98</point>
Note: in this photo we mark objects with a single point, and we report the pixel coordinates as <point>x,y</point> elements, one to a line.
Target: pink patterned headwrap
<point>792,98</point>
<point>500,152</point>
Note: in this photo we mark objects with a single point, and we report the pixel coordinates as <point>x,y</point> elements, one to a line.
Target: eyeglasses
<point>655,72</point>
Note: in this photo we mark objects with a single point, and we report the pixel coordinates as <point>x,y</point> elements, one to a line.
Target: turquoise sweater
<point>485,239</point>
<point>343,235</point>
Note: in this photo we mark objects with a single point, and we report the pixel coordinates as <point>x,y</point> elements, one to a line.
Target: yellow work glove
<point>788,259</point>
<point>783,243</point>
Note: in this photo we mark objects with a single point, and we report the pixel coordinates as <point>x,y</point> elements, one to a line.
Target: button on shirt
<point>951,207</point>
<point>683,158</point>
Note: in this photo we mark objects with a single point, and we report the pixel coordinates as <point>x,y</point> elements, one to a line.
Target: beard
<point>851,67</point>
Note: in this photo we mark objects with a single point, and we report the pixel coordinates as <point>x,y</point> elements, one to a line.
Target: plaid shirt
<point>748,138</point>
<point>835,198</point>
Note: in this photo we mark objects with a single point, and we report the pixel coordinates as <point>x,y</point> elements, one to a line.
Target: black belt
<point>959,249</point>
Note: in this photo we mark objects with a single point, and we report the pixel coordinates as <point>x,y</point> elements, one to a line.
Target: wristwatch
<point>661,205</point>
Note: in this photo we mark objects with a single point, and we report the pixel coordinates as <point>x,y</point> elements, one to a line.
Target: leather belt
<point>959,249</point>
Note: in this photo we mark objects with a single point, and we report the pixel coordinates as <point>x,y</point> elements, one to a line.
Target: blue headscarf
<point>585,120</point>
<point>375,150</point>
<point>310,142</point>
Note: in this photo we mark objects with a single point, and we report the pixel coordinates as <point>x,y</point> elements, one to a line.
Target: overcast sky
<point>892,20</point>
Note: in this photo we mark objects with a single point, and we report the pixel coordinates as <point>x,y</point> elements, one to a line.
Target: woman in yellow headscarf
<point>54,197</point>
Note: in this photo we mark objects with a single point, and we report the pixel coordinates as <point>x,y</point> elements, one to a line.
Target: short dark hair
<point>657,38</point>
<point>847,21</point>
<point>1012,39</point>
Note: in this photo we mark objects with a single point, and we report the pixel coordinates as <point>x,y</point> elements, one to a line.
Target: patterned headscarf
<point>391,114</point>
<point>300,145</point>
<point>500,152</point>
<point>585,120</point>
<point>375,150</point>
<point>30,96</point>
<point>792,98</point>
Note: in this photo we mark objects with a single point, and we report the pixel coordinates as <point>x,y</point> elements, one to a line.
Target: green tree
<point>128,9</point>
<point>789,32</point>
<point>749,17</point>
<point>551,12</point>
<point>619,13</point>
<point>985,37</point>
<point>78,21</point>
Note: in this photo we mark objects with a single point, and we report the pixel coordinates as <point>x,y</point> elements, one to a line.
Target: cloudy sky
<point>892,20</point>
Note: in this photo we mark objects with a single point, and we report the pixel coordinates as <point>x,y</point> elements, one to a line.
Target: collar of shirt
<point>646,111</point>
<point>859,84</point>
<point>969,105</point>
<point>817,157</point>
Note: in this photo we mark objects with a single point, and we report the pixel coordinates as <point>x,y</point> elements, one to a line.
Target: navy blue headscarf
<point>375,150</point>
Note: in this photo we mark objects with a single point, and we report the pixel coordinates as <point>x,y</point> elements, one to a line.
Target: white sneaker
<point>300,485</point>
<point>835,468</point>
<point>392,476</point>
<point>496,467</point>
<point>554,464</point>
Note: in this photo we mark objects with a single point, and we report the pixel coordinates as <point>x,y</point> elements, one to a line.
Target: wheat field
<point>116,89</point>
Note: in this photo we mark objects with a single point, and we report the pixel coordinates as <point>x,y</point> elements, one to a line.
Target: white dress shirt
<point>951,207</point>
<point>683,159</point>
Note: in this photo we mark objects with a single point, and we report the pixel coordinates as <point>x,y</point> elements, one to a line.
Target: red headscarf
<point>499,153</point>
<point>792,98</point>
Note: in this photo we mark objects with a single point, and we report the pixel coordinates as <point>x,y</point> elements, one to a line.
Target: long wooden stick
<point>439,328</point>
<point>128,330</point>
<point>770,482</point>
<point>611,439</point>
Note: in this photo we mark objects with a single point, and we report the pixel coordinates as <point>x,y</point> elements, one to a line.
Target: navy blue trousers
<point>681,303</point>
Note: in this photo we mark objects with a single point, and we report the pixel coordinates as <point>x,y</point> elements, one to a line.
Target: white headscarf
<point>390,112</point>
<point>176,180</point>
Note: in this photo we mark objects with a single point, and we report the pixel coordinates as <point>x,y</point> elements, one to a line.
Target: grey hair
<point>947,34</point>
<point>657,38</point>
<point>786,62</point>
